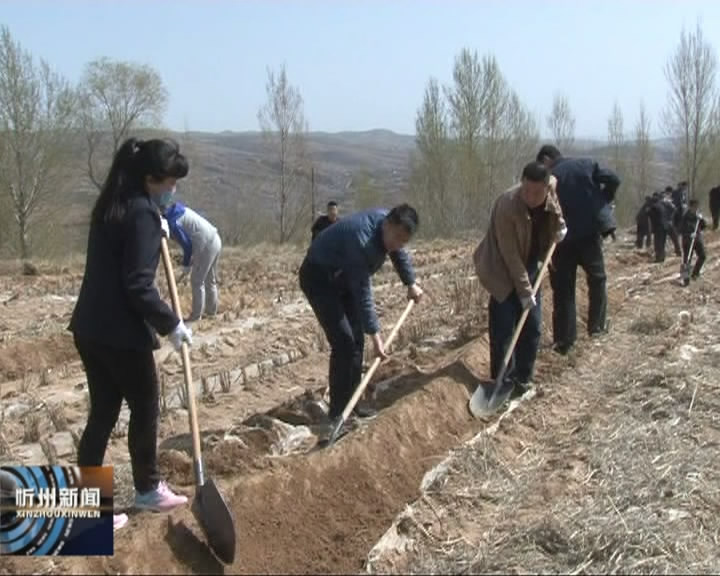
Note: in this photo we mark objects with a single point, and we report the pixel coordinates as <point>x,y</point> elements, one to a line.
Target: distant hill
<point>228,178</point>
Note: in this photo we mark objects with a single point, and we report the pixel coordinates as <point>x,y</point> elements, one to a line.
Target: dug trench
<point>316,511</point>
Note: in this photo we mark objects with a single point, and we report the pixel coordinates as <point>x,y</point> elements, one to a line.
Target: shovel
<point>480,403</point>
<point>363,384</point>
<point>685,266</point>
<point>208,507</point>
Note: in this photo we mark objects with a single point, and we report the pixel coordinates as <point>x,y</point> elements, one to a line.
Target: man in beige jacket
<point>524,222</point>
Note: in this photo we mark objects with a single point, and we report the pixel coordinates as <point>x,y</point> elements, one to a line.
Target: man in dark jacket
<point>659,225</point>
<point>586,192</point>
<point>642,224</point>
<point>692,225</point>
<point>335,276</point>
<point>326,219</point>
<point>714,198</point>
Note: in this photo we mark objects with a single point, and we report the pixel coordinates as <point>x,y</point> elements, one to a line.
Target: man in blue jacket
<point>335,277</point>
<point>586,192</point>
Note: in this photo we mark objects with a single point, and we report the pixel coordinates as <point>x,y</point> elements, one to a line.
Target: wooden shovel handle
<point>523,317</point>
<point>192,412</point>
<point>363,384</point>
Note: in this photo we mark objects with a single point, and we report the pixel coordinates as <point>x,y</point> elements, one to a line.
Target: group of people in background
<point>670,214</point>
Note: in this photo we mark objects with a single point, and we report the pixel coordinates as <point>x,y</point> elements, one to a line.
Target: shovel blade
<point>216,521</point>
<point>487,398</point>
<point>480,400</point>
<point>337,426</point>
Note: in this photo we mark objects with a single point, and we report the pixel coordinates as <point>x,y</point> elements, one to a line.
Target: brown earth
<point>320,511</point>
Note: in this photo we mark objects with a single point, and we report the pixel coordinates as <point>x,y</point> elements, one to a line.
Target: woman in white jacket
<point>201,246</point>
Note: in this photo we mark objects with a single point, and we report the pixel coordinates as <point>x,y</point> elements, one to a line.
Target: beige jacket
<point>500,259</point>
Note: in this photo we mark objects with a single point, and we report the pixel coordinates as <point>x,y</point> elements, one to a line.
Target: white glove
<point>560,236</point>
<point>165,227</point>
<point>181,334</point>
<point>415,293</point>
<point>528,302</point>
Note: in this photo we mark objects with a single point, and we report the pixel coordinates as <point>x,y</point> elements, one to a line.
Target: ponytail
<point>111,205</point>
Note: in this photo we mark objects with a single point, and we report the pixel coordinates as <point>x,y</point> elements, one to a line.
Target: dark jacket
<point>679,198</point>
<point>642,218</point>
<point>118,301</point>
<point>320,224</point>
<point>714,198</point>
<point>661,214</point>
<point>585,191</point>
<point>688,222</point>
<point>352,250</point>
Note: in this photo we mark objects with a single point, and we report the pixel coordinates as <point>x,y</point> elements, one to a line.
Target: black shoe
<point>364,412</point>
<point>561,348</point>
<point>520,389</point>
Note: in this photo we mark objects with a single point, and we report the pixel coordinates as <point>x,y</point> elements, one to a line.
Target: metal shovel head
<point>480,400</point>
<point>487,398</point>
<point>337,427</point>
<point>216,521</point>
<point>685,274</point>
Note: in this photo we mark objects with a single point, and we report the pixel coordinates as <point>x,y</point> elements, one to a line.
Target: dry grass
<point>613,471</point>
<point>31,427</point>
<point>56,412</point>
<point>225,381</point>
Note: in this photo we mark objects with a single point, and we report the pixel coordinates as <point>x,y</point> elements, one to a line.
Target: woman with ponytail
<point>119,311</point>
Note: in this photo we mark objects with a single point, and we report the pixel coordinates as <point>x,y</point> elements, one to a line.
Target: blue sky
<point>365,64</point>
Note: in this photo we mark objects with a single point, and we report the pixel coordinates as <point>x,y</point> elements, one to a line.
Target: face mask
<point>165,198</point>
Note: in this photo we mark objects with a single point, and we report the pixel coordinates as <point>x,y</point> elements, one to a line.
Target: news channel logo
<point>56,511</point>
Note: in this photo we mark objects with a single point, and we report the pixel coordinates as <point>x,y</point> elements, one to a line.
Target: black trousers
<point>339,315</point>
<point>502,320</point>
<point>699,249</point>
<point>569,254</point>
<point>659,241</point>
<point>114,375</point>
<point>675,240</point>
<point>642,237</point>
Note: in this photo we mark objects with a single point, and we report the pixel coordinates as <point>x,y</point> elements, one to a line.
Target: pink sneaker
<point>162,499</point>
<point>119,520</point>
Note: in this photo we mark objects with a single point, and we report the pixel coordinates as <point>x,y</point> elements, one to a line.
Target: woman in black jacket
<point>119,310</point>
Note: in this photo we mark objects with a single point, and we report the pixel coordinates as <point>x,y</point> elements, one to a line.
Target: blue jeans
<point>503,318</point>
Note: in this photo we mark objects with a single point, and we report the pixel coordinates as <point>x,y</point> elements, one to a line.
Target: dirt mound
<point>22,356</point>
<point>309,513</point>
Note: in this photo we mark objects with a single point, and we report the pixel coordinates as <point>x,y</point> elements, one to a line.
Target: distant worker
<point>714,198</point>
<point>201,247</point>
<point>692,225</point>
<point>643,225</point>
<point>326,219</point>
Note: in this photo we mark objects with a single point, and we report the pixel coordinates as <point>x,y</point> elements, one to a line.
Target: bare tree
<point>643,155</point>
<point>367,193</point>
<point>284,128</point>
<point>431,170</point>
<point>524,136</point>
<point>36,116</point>
<point>471,147</point>
<point>625,204</point>
<point>561,123</point>
<point>117,98</point>
<point>466,100</point>
<point>616,139</point>
<point>692,108</point>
